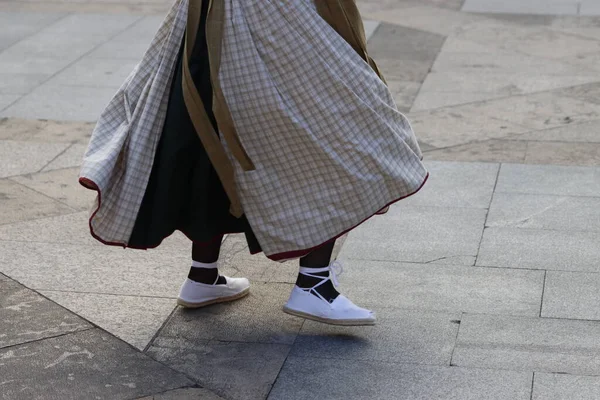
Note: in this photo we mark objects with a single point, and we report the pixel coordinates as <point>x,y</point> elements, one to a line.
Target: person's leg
<point>315,296</point>
<point>204,285</point>
<point>205,259</point>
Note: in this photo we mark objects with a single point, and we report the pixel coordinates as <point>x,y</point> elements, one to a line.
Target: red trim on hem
<point>299,253</point>
<point>89,184</point>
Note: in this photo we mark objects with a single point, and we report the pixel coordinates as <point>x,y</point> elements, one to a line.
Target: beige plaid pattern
<point>329,145</point>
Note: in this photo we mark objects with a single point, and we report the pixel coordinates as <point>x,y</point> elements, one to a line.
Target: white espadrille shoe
<point>196,294</point>
<point>308,303</point>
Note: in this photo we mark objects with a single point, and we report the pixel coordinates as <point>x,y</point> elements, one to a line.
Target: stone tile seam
<point>57,21</point>
<point>546,229</point>
<point>462,314</point>
<point>30,342</point>
<point>161,328</point>
<point>526,269</point>
<point>69,146</point>
<point>103,293</point>
<point>447,265</point>
<point>488,213</point>
<point>543,293</point>
<point>531,318</point>
<point>10,104</point>
<point>287,356</point>
<point>532,385</point>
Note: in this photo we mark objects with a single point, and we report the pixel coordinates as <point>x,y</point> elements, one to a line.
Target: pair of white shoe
<point>305,303</point>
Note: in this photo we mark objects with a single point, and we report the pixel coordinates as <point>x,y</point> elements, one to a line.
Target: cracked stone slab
<point>19,203</point>
<point>444,288</point>
<point>72,157</point>
<point>309,378</point>
<point>184,394</point>
<point>526,344</point>
<point>25,316</point>
<point>540,249</point>
<point>132,319</point>
<point>90,364</point>
<point>418,234</point>
<point>257,318</point>
<point>393,339</point>
<point>20,157</point>
<point>45,130</point>
<point>236,371</point>
<point>572,295</point>
<point>532,211</point>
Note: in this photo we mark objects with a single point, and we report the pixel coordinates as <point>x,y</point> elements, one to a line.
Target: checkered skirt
<point>329,145</point>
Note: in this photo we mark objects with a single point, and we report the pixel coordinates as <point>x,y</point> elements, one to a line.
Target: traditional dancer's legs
<point>205,259</point>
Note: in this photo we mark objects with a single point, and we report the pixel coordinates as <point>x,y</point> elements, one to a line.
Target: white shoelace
<point>335,269</point>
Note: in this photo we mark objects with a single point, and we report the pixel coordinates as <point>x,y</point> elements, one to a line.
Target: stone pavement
<point>486,283</point>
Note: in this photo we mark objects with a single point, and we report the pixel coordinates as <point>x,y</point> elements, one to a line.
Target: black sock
<point>327,290</point>
<point>206,275</point>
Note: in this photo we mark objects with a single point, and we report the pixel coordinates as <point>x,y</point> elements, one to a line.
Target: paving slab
<point>530,211</point>
<point>95,72</point>
<point>431,99</point>
<point>18,26</point>
<point>586,154</point>
<point>455,184</point>
<point>71,157</point>
<point>185,394</point>
<point>91,25</point>
<point>309,378</point>
<point>132,319</point>
<point>235,371</point>
<point>45,130</point>
<point>589,92</point>
<point>549,180</point>
<point>17,62</point>
<point>7,99</point>
<point>527,344</point>
<point>589,8</point>
<point>19,203</point>
<point>56,102</point>
<point>571,295</point>
<point>443,288</point>
<point>108,270</point>
<point>67,46</point>
<point>586,132</point>
<point>459,125</point>
<point>522,7</point>
<point>25,316</point>
<point>257,318</point>
<point>19,157</point>
<point>418,234</point>
<point>540,249</point>
<point>89,364</point>
<point>62,186</point>
<point>19,84</point>
<point>565,386</point>
<point>503,151</point>
<point>404,93</point>
<point>401,336</point>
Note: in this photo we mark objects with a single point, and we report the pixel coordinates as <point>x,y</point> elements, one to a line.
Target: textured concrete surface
<point>485,283</point>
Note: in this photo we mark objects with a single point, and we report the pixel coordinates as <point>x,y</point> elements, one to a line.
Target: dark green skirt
<point>184,192</point>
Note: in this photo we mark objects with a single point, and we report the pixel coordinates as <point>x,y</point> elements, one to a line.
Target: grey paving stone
<point>540,249</point>
<point>586,132</point>
<point>404,93</point>
<point>89,364</point>
<point>71,157</point>
<point>393,339</point>
<point>522,7</point>
<point>91,24</point>
<point>132,43</point>
<point>56,102</point>
<point>45,131</point>
<point>578,154</point>
<point>23,63</point>
<point>236,371</point>
<point>108,270</point>
<point>572,295</point>
<point>132,319</point>
<point>17,26</point>
<point>549,180</point>
<point>443,288</point>
<point>95,72</point>
<point>25,316</point>
<point>418,234</point>
<point>257,318</point>
<point>8,99</point>
<point>431,100</point>
<point>55,45</point>
<point>532,211</point>
<point>310,378</point>
<point>416,45</point>
<point>19,84</point>
<point>565,387</point>
<point>19,157</point>
<point>589,8</point>
<point>185,394</point>
<point>495,150</point>
<point>454,184</point>
<point>62,186</point>
<point>370,28</point>
<point>589,92</point>
<point>19,203</point>
<point>526,344</point>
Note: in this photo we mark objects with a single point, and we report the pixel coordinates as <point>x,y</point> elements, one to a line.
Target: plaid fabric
<point>121,152</point>
<point>329,145</point>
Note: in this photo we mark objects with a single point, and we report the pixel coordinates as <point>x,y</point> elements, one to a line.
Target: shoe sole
<point>339,322</point>
<point>238,296</point>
